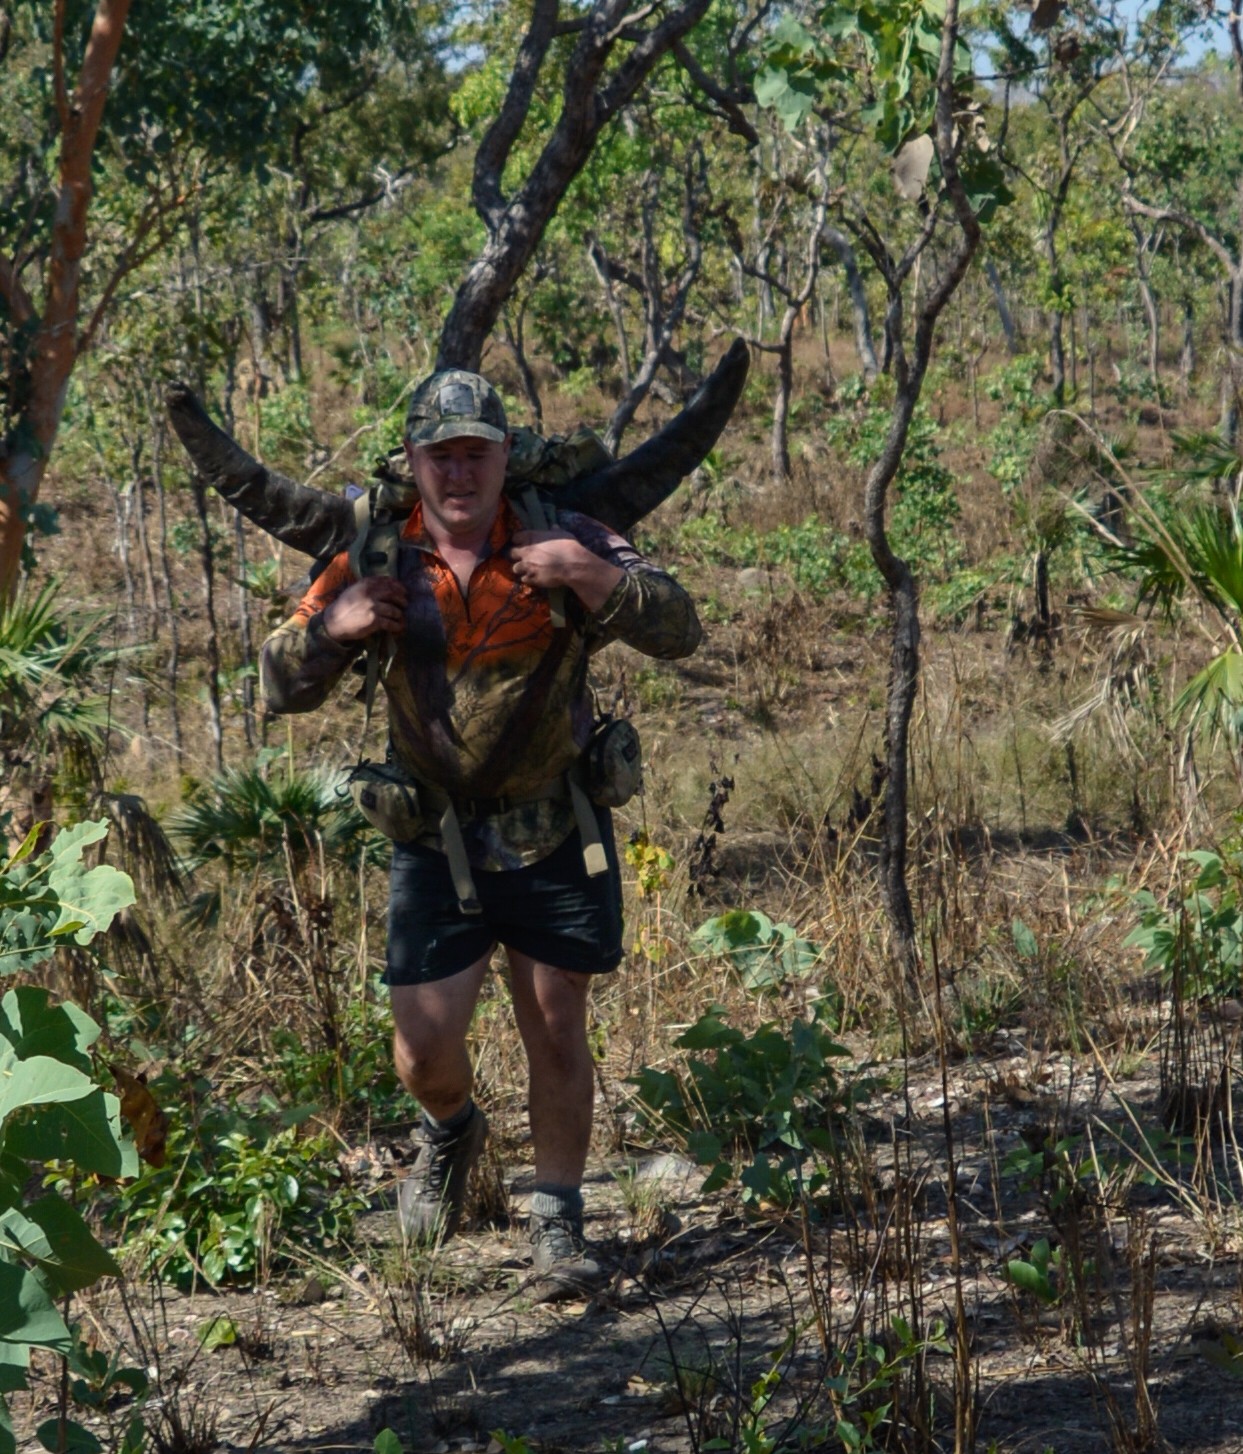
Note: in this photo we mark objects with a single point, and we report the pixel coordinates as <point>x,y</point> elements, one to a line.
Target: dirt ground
<point>453,1354</point>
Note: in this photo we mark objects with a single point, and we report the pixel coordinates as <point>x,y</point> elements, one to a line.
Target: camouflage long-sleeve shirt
<point>485,697</point>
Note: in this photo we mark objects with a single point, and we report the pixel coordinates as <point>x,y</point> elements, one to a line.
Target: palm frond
<point>244,820</point>
<point>1204,456</point>
<point>1212,699</point>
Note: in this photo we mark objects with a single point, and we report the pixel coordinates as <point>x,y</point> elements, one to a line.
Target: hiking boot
<point>559,1257</point>
<point>430,1200</point>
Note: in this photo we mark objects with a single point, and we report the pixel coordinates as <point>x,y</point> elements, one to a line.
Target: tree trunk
<point>1057,359</point>
<point>903,592</point>
<point>207,559</point>
<point>173,664</point>
<point>781,403</point>
<point>1003,307</point>
<point>244,632</point>
<point>864,346</point>
<point>516,342</point>
<point>1187,355</point>
<point>44,370</point>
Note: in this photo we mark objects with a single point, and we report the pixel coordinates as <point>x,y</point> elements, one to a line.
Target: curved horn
<point>312,521</point>
<point>621,494</point>
<point>319,523</point>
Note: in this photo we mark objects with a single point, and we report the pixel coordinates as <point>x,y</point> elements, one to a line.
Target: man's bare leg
<point>430,1022</point>
<point>550,1007</point>
<point>429,1048</point>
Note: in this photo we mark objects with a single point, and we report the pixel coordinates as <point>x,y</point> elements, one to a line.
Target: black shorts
<point>551,910</point>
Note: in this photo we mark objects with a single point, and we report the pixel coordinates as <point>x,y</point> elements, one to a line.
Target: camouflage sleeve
<point>647,608</point>
<point>300,663</point>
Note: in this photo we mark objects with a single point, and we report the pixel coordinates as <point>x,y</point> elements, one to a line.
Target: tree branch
<point>499,138</point>
<point>729,103</point>
<point>1185,221</point>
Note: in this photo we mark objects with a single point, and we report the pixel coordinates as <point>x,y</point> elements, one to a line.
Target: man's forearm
<point>648,610</point>
<point>299,666</point>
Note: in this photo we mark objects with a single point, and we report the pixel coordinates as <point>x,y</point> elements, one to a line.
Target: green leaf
<point>219,1332</point>
<point>704,1146</point>
<point>14,1361</point>
<point>1031,1279</point>
<point>67,1438</point>
<point>27,847</point>
<point>788,93</point>
<point>40,1080</point>
<point>27,1313</point>
<point>386,1442</point>
<point>53,1233</point>
<point>1024,940</point>
<point>36,1026</point>
<point>86,1132</point>
<point>90,899</point>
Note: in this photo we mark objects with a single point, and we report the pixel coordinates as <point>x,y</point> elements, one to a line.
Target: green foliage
<point>925,509</point>
<point>762,953</point>
<point>249,818</point>
<point>770,1095</point>
<point>1012,443</point>
<point>53,898</point>
<point>235,1195</point>
<point>1195,942</point>
<point>1037,1273</point>
<point>880,59</point>
<point>50,662</point>
<point>1195,551</point>
<point>51,1109</point>
<point>355,1075</point>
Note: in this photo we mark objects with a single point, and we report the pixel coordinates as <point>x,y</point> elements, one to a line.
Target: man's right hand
<point>375,604</point>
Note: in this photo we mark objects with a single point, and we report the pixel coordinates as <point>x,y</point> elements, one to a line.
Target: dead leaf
<point>147,1121</point>
<point>1046,14</point>
<point>910,167</point>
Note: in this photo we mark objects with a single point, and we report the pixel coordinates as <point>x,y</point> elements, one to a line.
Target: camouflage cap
<point>454,403</point>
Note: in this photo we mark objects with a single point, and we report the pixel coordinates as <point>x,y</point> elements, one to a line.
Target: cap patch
<point>456,399</point>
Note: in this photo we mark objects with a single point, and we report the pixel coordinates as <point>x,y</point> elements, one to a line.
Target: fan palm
<point>48,665</point>
<point>247,821</point>
<point>1195,551</point>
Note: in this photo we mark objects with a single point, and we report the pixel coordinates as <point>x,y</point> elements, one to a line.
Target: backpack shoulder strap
<point>373,552</point>
<point>536,514</point>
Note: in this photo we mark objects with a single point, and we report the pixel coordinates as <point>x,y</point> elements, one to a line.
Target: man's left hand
<point>551,558</point>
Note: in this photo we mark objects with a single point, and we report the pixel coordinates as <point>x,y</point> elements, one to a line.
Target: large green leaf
<point>86,1132</point>
<point>36,1026</point>
<point>89,898</point>
<point>14,1361</point>
<point>67,1437</point>
<point>55,1236</point>
<point>39,1080</point>
<point>27,1312</point>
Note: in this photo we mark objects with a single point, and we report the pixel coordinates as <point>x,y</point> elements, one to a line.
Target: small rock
<point>310,1293</point>
<point>667,1168</point>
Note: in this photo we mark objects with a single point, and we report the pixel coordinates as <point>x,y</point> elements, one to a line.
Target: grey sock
<point>550,1200</point>
<point>434,1130</point>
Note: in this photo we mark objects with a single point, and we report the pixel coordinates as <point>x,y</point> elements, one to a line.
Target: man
<point>492,625</point>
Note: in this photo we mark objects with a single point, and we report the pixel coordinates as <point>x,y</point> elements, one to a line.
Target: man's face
<point>460,482</point>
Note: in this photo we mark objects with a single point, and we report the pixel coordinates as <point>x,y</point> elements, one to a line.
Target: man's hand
<point>377,603</point>
<point>551,558</point>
